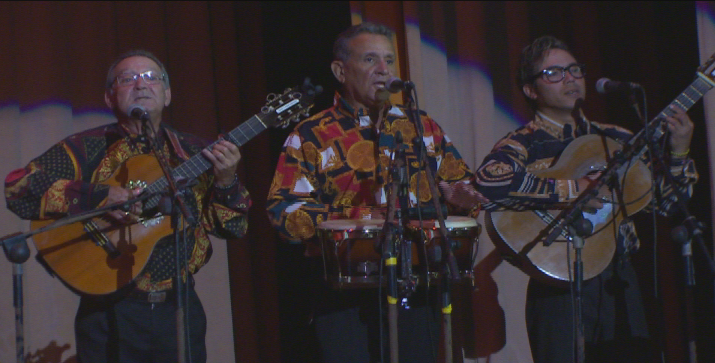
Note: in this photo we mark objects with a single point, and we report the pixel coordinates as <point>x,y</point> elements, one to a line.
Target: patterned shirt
<point>506,175</point>
<point>67,179</point>
<point>335,165</point>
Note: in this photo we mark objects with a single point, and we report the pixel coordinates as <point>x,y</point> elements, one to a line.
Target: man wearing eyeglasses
<point>613,315</point>
<point>137,323</point>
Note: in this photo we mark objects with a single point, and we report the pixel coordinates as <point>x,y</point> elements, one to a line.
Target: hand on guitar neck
<point>224,156</point>
<point>681,131</point>
<point>120,195</point>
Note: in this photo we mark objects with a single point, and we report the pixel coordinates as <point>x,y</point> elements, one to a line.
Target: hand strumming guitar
<point>120,195</point>
<point>462,195</point>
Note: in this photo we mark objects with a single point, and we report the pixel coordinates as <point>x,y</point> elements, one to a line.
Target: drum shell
<point>352,252</point>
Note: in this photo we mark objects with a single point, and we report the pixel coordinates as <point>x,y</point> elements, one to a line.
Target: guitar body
<point>520,234</point>
<point>79,261</point>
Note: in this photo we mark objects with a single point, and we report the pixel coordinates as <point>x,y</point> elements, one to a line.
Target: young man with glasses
<point>613,315</point>
<point>137,323</point>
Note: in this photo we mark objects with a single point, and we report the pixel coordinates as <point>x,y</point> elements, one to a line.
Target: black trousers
<point>615,326</point>
<point>130,330</point>
<point>348,324</point>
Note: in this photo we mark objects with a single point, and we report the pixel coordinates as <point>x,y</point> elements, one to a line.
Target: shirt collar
<point>360,115</point>
<point>550,125</point>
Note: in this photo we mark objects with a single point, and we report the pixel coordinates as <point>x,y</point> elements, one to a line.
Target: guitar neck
<point>198,164</point>
<point>685,101</point>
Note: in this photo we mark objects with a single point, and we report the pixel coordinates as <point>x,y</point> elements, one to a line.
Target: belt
<point>154,297</point>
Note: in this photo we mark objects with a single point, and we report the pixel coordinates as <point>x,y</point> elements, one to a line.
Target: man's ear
<point>338,68</point>
<point>530,91</point>
<point>167,95</point>
<point>108,98</point>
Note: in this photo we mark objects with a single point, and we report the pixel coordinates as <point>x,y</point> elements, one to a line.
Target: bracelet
<point>233,183</point>
<point>680,155</point>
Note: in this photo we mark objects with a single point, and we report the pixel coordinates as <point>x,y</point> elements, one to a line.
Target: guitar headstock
<point>708,68</point>
<point>293,104</point>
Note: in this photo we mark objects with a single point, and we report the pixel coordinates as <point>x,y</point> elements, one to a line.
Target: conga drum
<point>428,242</point>
<point>351,252</point>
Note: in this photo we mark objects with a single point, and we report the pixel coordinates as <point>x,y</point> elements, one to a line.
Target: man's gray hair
<point>341,51</point>
<point>136,53</point>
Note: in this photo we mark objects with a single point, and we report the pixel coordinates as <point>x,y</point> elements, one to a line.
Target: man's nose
<point>383,67</point>
<point>568,77</point>
<point>140,83</point>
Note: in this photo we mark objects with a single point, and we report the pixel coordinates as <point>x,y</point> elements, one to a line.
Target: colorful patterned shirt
<point>506,175</point>
<point>67,179</point>
<point>335,165</point>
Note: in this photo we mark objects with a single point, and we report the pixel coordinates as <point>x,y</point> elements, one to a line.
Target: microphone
<point>394,85</point>
<point>139,113</point>
<point>605,85</point>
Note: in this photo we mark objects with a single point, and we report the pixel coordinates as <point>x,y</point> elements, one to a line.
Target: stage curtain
<point>462,56</point>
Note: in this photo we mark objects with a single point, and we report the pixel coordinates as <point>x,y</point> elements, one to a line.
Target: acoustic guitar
<point>99,257</point>
<point>520,235</point>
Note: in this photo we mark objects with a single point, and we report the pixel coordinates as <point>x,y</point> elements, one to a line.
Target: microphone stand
<point>449,270</point>
<point>401,176</point>
<point>176,207</point>
<point>388,248</point>
<point>684,234</point>
<point>17,252</point>
<point>578,230</point>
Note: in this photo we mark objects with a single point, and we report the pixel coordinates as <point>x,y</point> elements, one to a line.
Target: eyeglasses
<point>149,77</point>
<point>555,74</point>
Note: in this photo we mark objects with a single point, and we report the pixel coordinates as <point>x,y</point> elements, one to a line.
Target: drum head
<point>450,222</point>
<point>351,224</point>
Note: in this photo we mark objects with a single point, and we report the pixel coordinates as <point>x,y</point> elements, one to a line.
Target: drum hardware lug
<point>405,303</point>
<point>367,268</point>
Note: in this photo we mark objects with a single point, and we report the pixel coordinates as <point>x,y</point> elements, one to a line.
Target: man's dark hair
<point>341,51</point>
<point>531,57</point>
<point>135,53</point>
<point>533,54</point>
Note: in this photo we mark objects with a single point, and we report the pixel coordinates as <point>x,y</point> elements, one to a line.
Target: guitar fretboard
<point>685,100</point>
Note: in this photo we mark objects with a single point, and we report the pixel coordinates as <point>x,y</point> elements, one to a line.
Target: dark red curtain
<point>224,57</point>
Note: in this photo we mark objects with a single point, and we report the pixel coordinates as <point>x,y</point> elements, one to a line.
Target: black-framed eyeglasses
<point>555,74</point>
<point>149,77</point>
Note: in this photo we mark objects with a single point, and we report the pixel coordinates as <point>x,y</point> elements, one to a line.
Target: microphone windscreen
<point>138,112</point>
<point>601,85</point>
<point>394,85</point>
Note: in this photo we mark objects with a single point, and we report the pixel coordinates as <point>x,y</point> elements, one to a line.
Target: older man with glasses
<point>137,323</point>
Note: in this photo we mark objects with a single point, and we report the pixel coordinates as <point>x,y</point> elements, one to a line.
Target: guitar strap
<point>176,145</point>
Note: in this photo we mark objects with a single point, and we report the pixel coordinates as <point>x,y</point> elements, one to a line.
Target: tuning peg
<point>271,96</point>
<point>266,110</point>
